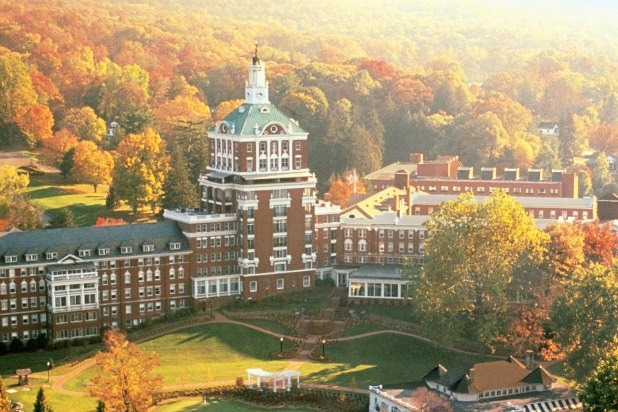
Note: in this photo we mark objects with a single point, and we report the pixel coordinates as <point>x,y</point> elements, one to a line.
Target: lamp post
<point>323,343</point>
<point>281,344</point>
<point>48,368</point>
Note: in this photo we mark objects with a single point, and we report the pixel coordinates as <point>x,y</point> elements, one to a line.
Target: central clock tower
<point>259,173</point>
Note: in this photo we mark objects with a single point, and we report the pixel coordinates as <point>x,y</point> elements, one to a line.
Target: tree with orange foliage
<point>342,189</point>
<point>565,248</point>
<point>62,141</point>
<point>126,382</point>
<point>36,122</point>
<point>600,243</point>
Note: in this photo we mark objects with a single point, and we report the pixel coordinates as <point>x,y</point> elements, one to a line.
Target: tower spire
<point>256,59</point>
<point>256,88</point>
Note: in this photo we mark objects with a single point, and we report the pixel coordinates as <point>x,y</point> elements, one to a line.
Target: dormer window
<point>148,248</point>
<point>103,251</point>
<point>51,255</point>
<point>31,257</point>
<point>10,259</point>
<point>174,245</point>
<point>83,252</point>
<point>126,249</point>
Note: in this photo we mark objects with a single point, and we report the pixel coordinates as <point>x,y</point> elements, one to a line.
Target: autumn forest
<point>371,82</point>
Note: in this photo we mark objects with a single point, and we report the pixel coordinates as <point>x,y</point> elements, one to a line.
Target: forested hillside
<point>371,81</point>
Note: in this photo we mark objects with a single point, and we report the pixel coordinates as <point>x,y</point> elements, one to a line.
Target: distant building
<point>506,385</point>
<point>486,380</point>
<point>548,129</point>
<point>446,175</point>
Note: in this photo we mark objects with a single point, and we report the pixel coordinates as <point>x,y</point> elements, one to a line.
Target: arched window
<point>104,279</point>
<point>347,245</point>
<point>172,273</point>
<point>362,245</point>
<point>3,288</point>
<point>41,285</point>
<point>112,279</point>
<point>149,275</point>
<point>33,285</point>
<point>181,273</point>
<point>12,287</point>
<point>24,286</point>
<point>127,277</point>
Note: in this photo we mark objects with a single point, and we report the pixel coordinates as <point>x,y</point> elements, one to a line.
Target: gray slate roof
<point>67,241</point>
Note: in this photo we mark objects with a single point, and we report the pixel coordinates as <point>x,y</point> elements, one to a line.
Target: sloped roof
<point>244,119</point>
<point>540,375</point>
<point>375,204</point>
<point>66,241</point>
<point>485,376</point>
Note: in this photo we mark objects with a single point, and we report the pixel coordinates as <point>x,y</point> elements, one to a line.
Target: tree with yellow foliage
<point>139,170</point>
<point>126,383</point>
<point>92,165</point>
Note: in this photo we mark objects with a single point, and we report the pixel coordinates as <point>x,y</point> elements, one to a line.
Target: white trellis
<point>282,380</point>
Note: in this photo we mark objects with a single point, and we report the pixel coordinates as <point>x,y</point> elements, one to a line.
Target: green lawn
<point>51,193</point>
<point>218,352</point>
<point>266,324</point>
<point>204,354</point>
<point>37,361</point>
<point>396,312</point>
<point>381,359</point>
<point>309,301</point>
<point>59,402</point>
<point>361,328</point>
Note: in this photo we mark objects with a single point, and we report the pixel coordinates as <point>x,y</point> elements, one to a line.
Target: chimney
<point>529,359</point>
<point>396,204</point>
<point>402,179</point>
<point>417,158</point>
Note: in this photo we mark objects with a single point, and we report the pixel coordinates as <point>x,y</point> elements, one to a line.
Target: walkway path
<point>309,343</point>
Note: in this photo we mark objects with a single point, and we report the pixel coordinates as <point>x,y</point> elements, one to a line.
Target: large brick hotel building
<point>259,231</point>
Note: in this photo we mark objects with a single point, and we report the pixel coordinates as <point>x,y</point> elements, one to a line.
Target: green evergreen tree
<point>179,191</point>
<point>100,406</point>
<point>5,403</point>
<point>67,163</point>
<point>64,218</point>
<point>42,403</point>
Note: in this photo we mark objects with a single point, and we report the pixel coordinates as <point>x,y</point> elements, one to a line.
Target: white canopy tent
<point>284,378</point>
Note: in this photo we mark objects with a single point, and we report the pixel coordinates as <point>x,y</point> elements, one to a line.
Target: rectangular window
<point>280,284</point>
<point>253,286</point>
<point>306,281</point>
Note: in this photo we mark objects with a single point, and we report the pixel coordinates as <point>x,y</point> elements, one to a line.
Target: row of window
<point>215,241</point>
<point>26,334</point>
<point>280,284</point>
<point>34,318</point>
<point>25,287</point>
<point>215,227</point>
<point>33,302</point>
<point>216,257</point>
<point>217,270</point>
<point>348,246</point>
<point>490,189</point>
<point>371,259</point>
<point>142,276</point>
<point>382,233</point>
<point>82,252</point>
